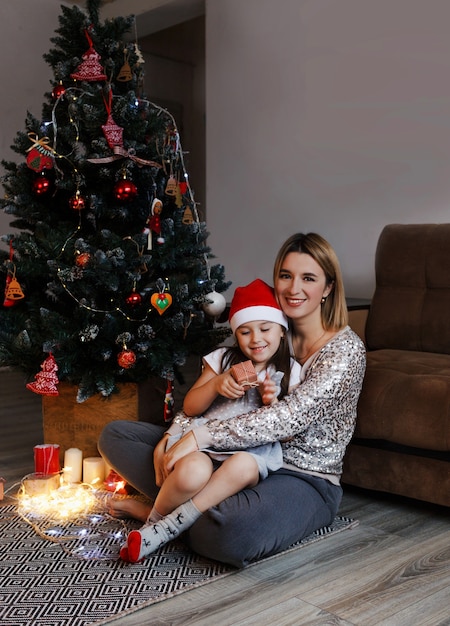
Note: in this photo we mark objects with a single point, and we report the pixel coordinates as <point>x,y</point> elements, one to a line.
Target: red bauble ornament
<point>134,299</point>
<point>58,91</point>
<point>82,259</point>
<point>126,358</point>
<point>77,202</point>
<point>41,185</point>
<point>125,190</point>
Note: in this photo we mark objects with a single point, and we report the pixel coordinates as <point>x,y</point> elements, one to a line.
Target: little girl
<point>204,478</point>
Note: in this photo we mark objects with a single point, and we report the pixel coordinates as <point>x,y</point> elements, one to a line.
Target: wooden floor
<point>392,570</point>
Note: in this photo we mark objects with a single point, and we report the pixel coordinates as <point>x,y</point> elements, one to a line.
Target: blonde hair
<point>334,310</point>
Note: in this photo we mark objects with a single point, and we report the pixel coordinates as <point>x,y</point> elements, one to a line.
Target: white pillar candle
<point>73,465</point>
<point>93,470</point>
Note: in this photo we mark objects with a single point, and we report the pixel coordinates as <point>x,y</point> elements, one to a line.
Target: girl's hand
<point>268,390</point>
<point>158,460</point>
<point>227,387</point>
<point>181,448</point>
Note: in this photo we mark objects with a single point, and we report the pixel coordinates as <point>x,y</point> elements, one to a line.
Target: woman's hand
<point>181,448</point>
<point>159,460</point>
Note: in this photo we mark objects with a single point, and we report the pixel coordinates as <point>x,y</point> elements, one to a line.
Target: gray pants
<point>255,523</point>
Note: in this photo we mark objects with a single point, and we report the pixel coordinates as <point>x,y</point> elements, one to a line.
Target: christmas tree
<point>107,278</point>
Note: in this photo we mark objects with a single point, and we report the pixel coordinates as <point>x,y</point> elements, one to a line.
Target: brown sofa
<point>402,439</point>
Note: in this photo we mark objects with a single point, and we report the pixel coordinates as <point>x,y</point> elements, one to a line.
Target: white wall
<point>324,115</point>
<point>25,30</point>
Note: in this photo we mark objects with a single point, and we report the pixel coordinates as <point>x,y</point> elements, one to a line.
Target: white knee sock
<point>154,516</point>
<point>150,537</point>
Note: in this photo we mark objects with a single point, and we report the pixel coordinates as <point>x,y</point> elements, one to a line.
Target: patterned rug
<point>80,581</point>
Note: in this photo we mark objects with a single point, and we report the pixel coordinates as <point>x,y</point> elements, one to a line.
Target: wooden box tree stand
<point>78,425</point>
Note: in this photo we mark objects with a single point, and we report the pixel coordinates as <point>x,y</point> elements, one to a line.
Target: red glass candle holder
<point>46,459</point>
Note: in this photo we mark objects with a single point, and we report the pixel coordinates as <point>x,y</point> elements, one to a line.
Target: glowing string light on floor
<point>75,517</point>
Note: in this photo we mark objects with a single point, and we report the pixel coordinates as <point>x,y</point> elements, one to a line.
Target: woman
<point>314,424</point>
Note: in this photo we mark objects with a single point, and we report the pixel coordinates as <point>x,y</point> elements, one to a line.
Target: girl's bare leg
<point>189,476</point>
<point>238,472</point>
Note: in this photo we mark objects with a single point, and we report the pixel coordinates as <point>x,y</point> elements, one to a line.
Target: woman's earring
<point>323,300</point>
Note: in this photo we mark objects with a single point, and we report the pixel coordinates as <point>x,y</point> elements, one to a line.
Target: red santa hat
<point>255,302</point>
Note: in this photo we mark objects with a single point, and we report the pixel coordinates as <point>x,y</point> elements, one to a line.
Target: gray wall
<point>324,115</point>
<point>25,30</point>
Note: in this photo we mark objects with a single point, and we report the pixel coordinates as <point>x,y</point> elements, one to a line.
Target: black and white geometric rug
<point>82,582</point>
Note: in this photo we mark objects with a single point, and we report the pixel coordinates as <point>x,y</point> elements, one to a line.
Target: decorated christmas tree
<point>107,277</point>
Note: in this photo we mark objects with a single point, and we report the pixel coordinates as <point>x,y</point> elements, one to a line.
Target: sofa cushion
<point>411,304</point>
<point>406,399</point>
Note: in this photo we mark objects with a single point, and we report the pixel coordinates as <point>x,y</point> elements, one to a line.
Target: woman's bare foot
<point>129,507</point>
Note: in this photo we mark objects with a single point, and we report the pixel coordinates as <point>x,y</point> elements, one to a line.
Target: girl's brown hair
<point>334,310</point>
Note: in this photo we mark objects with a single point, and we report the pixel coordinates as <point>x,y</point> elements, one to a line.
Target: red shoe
<point>134,543</point>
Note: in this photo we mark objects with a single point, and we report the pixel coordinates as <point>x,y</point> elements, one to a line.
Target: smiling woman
<point>309,288</point>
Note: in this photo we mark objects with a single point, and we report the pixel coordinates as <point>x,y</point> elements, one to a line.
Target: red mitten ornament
<point>39,161</point>
<point>45,382</point>
<point>39,157</point>
<point>90,68</point>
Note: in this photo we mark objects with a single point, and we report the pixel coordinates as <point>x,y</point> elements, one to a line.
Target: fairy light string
<point>118,153</point>
<point>75,517</point>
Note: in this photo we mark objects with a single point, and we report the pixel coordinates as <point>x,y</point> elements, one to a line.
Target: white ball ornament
<point>215,304</point>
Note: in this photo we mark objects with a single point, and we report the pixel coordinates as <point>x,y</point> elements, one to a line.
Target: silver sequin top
<point>315,422</point>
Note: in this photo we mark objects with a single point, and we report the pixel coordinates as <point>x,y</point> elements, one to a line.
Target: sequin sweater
<point>315,422</point>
